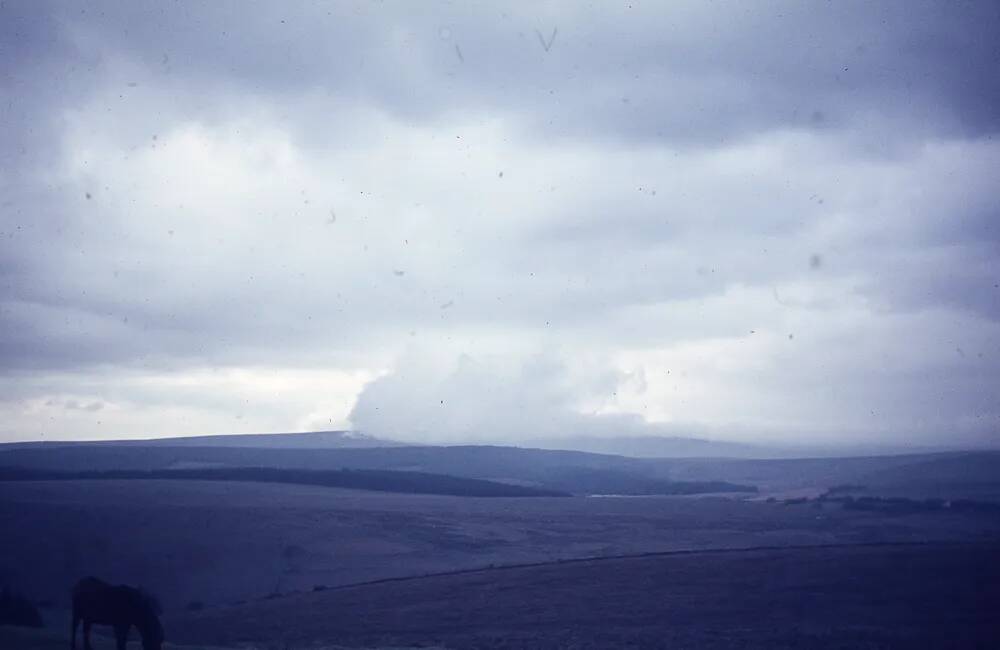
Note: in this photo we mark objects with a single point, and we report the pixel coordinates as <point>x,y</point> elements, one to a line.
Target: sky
<point>487,222</point>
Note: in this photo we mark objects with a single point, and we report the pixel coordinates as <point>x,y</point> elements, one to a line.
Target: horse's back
<point>96,600</point>
<point>88,585</point>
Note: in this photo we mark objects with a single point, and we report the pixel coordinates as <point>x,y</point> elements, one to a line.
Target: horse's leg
<point>121,635</point>
<point>86,635</point>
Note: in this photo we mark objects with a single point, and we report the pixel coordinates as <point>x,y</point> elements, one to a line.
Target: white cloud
<point>532,237</point>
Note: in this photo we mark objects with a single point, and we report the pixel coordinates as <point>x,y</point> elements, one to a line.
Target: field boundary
<point>652,554</point>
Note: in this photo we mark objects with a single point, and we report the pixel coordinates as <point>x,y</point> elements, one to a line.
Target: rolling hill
<point>561,471</point>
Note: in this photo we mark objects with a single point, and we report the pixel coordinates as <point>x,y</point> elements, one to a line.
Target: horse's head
<point>152,638</point>
<point>149,624</point>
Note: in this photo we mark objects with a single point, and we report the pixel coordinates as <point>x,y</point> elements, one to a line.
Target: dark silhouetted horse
<point>120,606</point>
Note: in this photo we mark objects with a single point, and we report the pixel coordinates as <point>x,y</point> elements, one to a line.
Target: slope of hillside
<point>564,471</point>
<point>307,440</point>
<point>353,479</point>
<point>835,597</point>
<point>237,541</point>
<point>18,638</point>
<point>478,460</point>
<point>965,474</point>
<point>974,474</point>
<point>660,447</point>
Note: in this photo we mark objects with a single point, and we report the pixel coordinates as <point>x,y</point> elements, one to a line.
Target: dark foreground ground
<point>888,596</point>
<point>235,566</point>
<point>216,544</point>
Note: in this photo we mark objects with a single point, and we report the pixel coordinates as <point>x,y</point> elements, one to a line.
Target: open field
<point>932,596</point>
<point>17,638</point>
<point>244,541</point>
<point>952,475</point>
<point>816,558</point>
<point>860,596</point>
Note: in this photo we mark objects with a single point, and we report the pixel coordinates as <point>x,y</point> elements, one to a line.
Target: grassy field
<point>18,638</point>
<point>15,638</point>
<point>215,544</point>
<point>934,595</point>
<point>925,596</point>
<point>947,475</point>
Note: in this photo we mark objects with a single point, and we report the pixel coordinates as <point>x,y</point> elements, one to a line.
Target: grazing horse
<point>120,606</point>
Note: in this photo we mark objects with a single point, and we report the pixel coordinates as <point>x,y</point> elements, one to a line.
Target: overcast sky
<point>488,222</point>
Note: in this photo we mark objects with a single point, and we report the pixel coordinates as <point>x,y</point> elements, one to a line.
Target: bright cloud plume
<point>750,222</point>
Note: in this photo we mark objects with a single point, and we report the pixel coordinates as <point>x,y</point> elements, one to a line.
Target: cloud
<point>492,398</point>
<point>140,403</point>
<point>802,374</point>
<point>409,197</point>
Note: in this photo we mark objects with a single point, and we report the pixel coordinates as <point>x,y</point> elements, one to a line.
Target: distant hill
<point>948,474</point>
<point>308,440</point>
<point>377,480</point>
<point>970,475</point>
<point>647,446</point>
<point>661,447</point>
<point>563,471</point>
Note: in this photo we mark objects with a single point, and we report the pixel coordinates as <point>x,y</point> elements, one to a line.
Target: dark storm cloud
<point>40,73</point>
<point>694,72</point>
<point>643,182</point>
